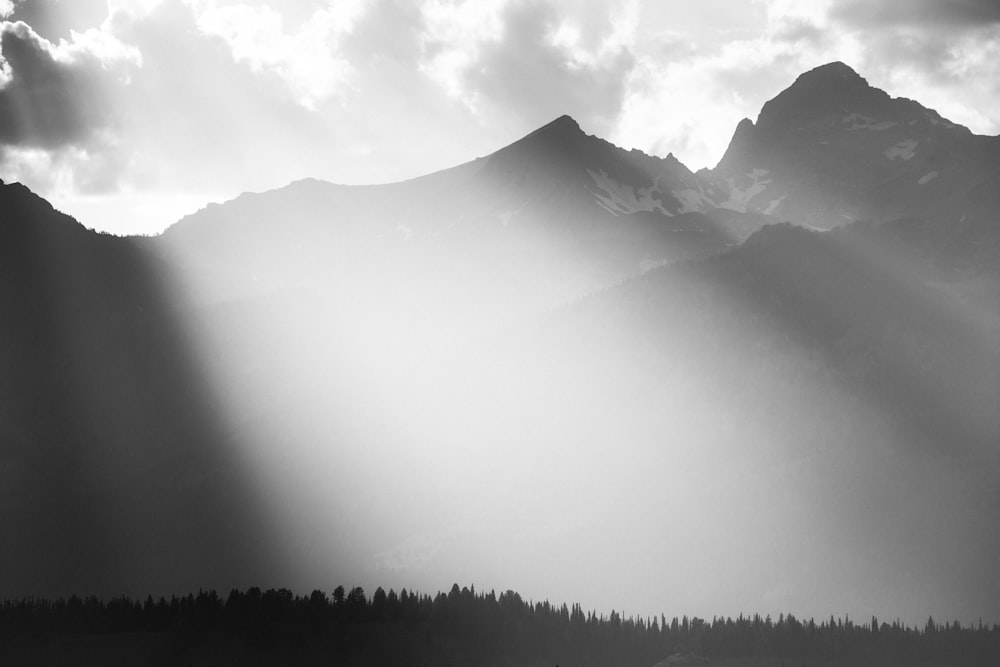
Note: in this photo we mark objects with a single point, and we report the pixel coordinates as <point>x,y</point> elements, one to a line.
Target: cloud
<point>67,169</point>
<point>526,60</point>
<point>56,19</point>
<point>388,30</point>
<point>197,115</point>
<point>307,60</point>
<point>58,122</point>
<point>454,35</point>
<point>537,75</point>
<point>928,13</point>
<point>51,94</point>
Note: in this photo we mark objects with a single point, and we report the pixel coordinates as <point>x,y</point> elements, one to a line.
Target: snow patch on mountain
<point>938,120</point>
<point>619,198</point>
<point>862,122</point>
<point>773,206</point>
<point>692,201</point>
<point>603,203</point>
<point>739,197</point>
<point>905,150</point>
<point>928,177</point>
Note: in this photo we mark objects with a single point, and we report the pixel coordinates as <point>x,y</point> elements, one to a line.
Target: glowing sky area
<point>130,114</point>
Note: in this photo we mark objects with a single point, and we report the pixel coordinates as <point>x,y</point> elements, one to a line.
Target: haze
<point>467,377</point>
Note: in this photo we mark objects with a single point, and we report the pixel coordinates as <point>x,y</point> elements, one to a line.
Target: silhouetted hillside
<point>113,475</point>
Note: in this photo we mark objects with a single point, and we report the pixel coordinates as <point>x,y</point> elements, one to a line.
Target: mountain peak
<point>832,83</point>
<point>567,120</point>
<point>832,73</point>
<point>557,140</point>
<point>563,125</point>
<point>742,144</point>
<point>829,90</point>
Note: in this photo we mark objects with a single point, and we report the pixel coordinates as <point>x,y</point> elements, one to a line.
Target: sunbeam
<point>116,472</point>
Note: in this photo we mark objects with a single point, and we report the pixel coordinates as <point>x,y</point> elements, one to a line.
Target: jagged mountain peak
<point>832,73</point>
<point>564,123</point>
<point>563,141</point>
<point>828,91</point>
<point>831,149</point>
<point>740,145</point>
<point>560,135</point>
<point>560,156</point>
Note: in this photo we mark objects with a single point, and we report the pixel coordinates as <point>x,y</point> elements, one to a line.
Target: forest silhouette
<point>462,627</point>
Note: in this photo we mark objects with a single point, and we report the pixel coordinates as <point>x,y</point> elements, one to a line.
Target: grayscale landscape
<point>383,332</point>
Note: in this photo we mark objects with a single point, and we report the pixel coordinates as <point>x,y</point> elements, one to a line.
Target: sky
<point>130,114</point>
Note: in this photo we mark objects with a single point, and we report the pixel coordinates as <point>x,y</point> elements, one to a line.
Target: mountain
<point>831,149</point>
<point>557,361</point>
<point>554,215</point>
<point>559,213</point>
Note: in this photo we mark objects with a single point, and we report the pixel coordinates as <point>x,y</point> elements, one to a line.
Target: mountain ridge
<point>828,150</point>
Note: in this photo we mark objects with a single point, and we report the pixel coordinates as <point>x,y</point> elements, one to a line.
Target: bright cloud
<point>307,60</point>
<point>453,37</point>
<point>624,24</point>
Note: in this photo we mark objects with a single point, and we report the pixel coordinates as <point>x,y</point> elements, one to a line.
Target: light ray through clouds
<point>383,449</point>
<point>389,449</point>
<point>121,482</point>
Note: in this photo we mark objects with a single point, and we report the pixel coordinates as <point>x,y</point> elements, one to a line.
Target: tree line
<point>466,627</point>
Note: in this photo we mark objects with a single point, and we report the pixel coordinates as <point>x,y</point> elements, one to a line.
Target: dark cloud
<point>929,53</point>
<point>47,103</point>
<point>930,13</point>
<point>525,74</point>
<point>802,32</point>
<point>937,44</point>
<point>54,19</point>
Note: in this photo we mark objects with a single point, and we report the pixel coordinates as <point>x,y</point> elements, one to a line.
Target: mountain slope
<point>112,468</point>
<point>831,149</point>
<point>554,215</point>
